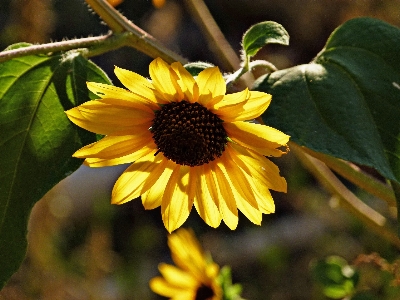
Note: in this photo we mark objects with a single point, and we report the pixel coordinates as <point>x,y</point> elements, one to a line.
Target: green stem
<point>363,212</point>
<point>352,173</point>
<point>396,189</point>
<point>99,44</point>
<point>138,39</point>
<point>216,39</point>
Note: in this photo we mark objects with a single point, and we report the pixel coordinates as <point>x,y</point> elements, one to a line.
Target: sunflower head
<point>194,276</point>
<point>188,142</point>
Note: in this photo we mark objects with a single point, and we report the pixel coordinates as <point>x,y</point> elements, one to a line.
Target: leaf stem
<point>138,38</point>
<point>349,201</point>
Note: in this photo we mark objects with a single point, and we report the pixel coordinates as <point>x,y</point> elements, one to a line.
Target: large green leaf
<point>36,138</point>
<point>346,103</point>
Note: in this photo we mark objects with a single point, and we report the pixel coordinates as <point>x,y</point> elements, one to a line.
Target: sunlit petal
<point>115,146</point>
<point>130,158</point>
<point>211,84</point>
<point>176,206</point>
<point>249,109</point>
<point>160,73</point>
<point>130,184</point>
<point>227,207</point>
<point>245,199</point>
<point>205,205</point>
<point>139,86</point>
<point>153,197</point>
<point>262,139</point>
<point>259,167</point>
<point>100,117</point>
<point>186,82</point>
<point>113,92</point>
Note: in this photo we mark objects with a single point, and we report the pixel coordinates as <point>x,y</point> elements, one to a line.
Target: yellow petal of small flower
<point>193,274</point>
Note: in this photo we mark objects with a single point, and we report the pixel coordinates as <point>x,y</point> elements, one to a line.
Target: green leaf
<point>36,139</point>
<point>335,276</point>
<point>195,68</point>
<point>346,103</point>
<point>261,34</point>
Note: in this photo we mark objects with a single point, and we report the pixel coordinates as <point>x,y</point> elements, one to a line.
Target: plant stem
<point>354,205</point>
<point>352,173</point>
<point>216,39</point>
<point>100,44</point>
<point>138,38</point>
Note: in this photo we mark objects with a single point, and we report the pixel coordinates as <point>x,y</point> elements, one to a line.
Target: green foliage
<point>261,34</point>
<point>346,102</point>
<point>36,138</point>
<point>336,277</point>
<point>230,291</point>
<point>195,68</point>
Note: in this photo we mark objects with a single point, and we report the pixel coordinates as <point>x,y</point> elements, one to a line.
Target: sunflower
<point>194,277</point>
<point>188,143</point>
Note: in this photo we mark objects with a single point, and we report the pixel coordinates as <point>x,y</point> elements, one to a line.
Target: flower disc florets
<point>204,292</point>
<point>188,133</point>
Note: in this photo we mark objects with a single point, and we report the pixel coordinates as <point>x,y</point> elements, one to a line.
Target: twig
<point>105,42</point>
<point>356,176</point>
<point>138,39</point>
<point>216,39</point>
<point>362,211</point>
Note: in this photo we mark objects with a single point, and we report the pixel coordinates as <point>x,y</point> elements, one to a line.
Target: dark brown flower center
<point>204,293</point>
<point>188,133</point>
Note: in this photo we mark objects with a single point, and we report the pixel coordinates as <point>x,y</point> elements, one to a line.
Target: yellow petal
<point>163,81</point>
<point>211,84</point>
<point>175,207</point>
<point>260,138</point>
<point>160,286</point>
<point>102,162</point>
<point>244,196</point>
<point>153,197</point>
<point>258,167</point>
<point>264,198</point>
<point>252,108</point>
<point>139,86</point>
<point>113,92</point>
<point>186,82</point>
<point>115,146</point>
<point>130,184</point>
<point>187,253</point>
<point>109,119</point>
<point>230,100</point>
<point>227,206</point>
<point>205,205</point>
<point>177,277</point>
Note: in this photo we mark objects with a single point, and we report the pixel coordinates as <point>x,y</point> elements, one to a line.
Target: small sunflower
<point>194,277</point>
<point>188,143</point>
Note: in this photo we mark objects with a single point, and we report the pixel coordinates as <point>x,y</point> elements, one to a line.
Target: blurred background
<point>82,247</point>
